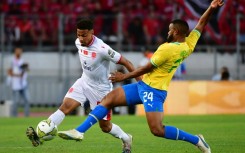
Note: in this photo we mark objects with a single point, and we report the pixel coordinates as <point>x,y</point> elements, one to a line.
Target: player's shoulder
<point>166,45</point>
<point>101,45</point>
<point>99,42</point>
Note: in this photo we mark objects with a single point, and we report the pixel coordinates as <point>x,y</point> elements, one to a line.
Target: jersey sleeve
<point>192,39</point>
<point>160,56</point>
<point>111,54</point>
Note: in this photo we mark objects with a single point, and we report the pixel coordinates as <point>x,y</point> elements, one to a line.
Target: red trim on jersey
<point>91,42</point>
<point>119,59</point>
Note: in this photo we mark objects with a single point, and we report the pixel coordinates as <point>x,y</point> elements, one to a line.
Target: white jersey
<point>95,60</point>
<point>17,82</point>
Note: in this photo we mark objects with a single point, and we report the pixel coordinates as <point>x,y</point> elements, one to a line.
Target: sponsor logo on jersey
<point>111,53</point>
<point>86,67</point>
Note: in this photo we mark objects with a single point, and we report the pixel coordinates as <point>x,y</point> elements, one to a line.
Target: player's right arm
<point>118,76</point>
<point>207,14</point>
<point>129,66</point>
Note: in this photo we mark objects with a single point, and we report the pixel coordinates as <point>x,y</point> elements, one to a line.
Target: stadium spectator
<point>108,10</point>
<point>25,28</point>
<point>151,26</point>
<point>17,75</point>
<point>12,30</point>
<point>37,31</point>
<point>147,54</point>
<point>152,90</point>
<point>136,34</point>
<point>14,9</point>
<point>224,74</point>
<point>95,57</point>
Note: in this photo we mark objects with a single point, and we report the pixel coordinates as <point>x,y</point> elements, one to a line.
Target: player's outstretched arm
<point>129,66</point>
<point>118,76</point>
<point>207,14</point>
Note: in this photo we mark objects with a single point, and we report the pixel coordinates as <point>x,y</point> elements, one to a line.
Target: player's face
<point>171,31</point>
<point>18,52</point>
<point>85,36</point>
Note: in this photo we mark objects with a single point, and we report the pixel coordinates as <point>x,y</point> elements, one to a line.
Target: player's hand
<point>216,3</point>
<point>116,77</point>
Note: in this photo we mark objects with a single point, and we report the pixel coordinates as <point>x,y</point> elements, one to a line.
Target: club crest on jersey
<point>111,53</point>
<point>89,53</point>
<point>85,52</point>
<point>93,54</point>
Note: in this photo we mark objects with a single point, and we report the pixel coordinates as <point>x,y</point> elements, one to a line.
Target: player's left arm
<point>207,14</point>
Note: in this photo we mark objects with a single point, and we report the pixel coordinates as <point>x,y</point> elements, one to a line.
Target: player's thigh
<point>114,98</point>
<point>73,98</point>
<point>122,96</point>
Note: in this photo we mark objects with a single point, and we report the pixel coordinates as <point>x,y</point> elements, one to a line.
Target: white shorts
<point>82,91</point>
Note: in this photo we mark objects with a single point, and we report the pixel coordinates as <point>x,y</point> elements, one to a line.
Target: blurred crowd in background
<point>145,22</point>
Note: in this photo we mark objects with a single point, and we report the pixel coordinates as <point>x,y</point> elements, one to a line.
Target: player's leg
<point>121,96</point>
<point>154,120</point>
<point>66,108</point>
<point>113,129</point>
<point>113,99</point>
<point>73,98</point>
<point>25,96</point>
<point>16,95</point>
<point>117,97</point>
<point>98,113</point>
<point>154,113</point>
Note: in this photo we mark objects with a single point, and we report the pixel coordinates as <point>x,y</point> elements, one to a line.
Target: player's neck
<point>91,41</point>
<point>180,40</point>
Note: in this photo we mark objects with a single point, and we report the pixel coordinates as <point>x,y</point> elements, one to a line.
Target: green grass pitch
<point>224,133</point>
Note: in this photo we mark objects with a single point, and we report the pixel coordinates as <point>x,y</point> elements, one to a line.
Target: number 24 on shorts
<point>148,96</point>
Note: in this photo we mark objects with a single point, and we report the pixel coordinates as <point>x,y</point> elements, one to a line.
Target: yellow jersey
<point>167,58</point>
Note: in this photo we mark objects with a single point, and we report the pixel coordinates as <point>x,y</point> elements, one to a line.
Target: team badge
<point>111,53</point>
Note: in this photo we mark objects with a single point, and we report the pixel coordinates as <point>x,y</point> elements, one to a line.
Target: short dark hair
<point>182,26</point>
<point>225,75</point>
<point>85,24</point>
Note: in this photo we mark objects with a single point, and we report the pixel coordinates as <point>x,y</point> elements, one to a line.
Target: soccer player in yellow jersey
<point>152,90</point>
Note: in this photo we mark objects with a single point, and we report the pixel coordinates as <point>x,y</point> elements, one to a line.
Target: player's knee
<point>105,129</point>
<point>157,132</point>
<point>105,126</point>
<point>65,111</point>
<point>65,108</point>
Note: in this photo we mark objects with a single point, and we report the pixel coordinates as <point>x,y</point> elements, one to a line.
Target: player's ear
<point>175,31</point>
<point>92,31</point>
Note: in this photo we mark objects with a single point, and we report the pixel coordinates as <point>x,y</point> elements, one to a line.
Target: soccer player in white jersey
<point>95,57</point>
